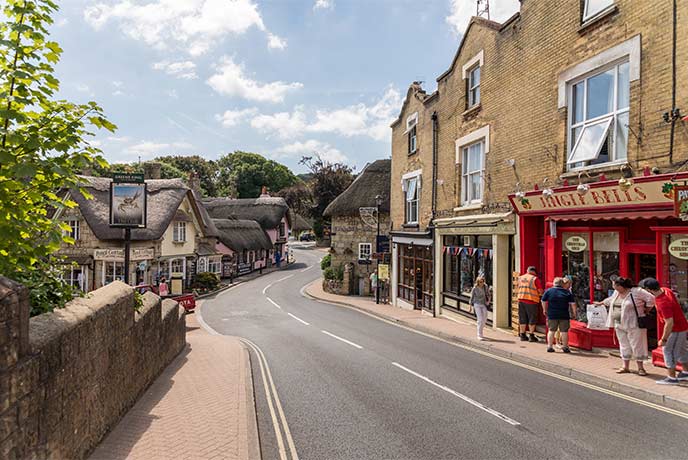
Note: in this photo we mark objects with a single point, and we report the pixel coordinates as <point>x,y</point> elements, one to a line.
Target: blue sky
<point>283,78</point>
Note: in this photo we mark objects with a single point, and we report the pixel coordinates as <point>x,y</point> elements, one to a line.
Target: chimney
<point>151,170</point>
<point>194,182</point>
<point>264,192</point>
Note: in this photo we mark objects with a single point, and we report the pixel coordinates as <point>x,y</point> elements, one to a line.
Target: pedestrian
<point>373,282</point>
<point>626,305</point>
<point>529,292</point>
<point>673,339</point>
<point>480,299</point>
<point>163,289</point>
<point>557,302</point>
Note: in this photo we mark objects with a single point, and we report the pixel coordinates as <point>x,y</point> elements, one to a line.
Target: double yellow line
<point>279,423</point>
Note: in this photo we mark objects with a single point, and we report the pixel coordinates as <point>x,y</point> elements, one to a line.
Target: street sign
<point>128,178</point>
<point>382,243</point>
<point>383,272</point>
<point>128,205</point>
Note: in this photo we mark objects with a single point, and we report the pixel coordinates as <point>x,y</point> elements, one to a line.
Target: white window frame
<point>75,232</point>
<point>215,266</point>
<point>473,100</point>
<point>413,175</point>
<point>411,217</point>
<point>202,264</point>
<point>479,135</point>
<point>74,280</point>
<point>115,265</point>
<point>587,14</point>
<point>365,249</point>
<point>181,264</point>
<point>412,141</point>
<point>467,197</point>
<point>179,232</point>
<point>411,121</point>
<point>611,118</point>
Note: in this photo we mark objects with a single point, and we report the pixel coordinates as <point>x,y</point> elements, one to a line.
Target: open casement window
<point>599,117</point>
<point>364,251</point>
<point>593,7</point>
<point>411,200</point>
<point>474,86</point>
<point>472,173</point>
<point>411,123</point>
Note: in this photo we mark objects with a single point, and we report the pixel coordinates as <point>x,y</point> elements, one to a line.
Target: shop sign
<point>679,249</point>
<point>383,272</point>
<point>596,198</point>
<point>576,244</point>
<point>117,255</point>
<point>681,201</point>
<point>244,269</point>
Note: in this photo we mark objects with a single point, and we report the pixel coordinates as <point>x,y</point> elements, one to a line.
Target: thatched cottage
<point>354,229</point>
<point>179,235</point>
<point>245,243</point>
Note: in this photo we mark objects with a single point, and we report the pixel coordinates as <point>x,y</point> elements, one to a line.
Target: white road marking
<point>267,287</point>
<point>290,441</point>
<point>307,268</point>
<point>273,302</point>
<point>298,319</point>
<point>473,402</point>
<point>225,319</point>
<point>343,340</point>
<point>286,277</point>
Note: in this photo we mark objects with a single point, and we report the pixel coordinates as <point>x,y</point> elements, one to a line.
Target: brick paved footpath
<point>200,407</point>
<point>597,368</point>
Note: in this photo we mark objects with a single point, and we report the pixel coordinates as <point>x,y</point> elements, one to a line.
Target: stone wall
<point>68,376</point>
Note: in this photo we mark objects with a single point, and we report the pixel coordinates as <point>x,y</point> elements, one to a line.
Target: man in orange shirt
<point>529,293</point>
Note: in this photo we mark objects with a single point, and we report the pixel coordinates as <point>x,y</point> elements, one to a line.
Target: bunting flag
<point>457,250</point>
<point>470,251</point>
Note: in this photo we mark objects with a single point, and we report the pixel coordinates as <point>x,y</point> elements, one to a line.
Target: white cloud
<point>118,139</point>
<point>284,124</point>
<point>323,5</point>
<point>276,43</point>
<point>118,92</point>
<point>311,147</point>
<point>148,149</point>
<point>234,117</point>
<point>194,25</point>
<point>461,11</point>
<point>355,120</point>
<point>117,84</point>
<point>172,94</point>
<point>181,69</point>
<point>62,22</point>
<point>231,80</point>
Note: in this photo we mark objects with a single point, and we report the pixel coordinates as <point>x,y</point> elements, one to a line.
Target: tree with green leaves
<point>299,198</point>
<point>44,144</point>
<point>167,171</point>
<point>206,169</point>
<point>243,174</point>
<point>328,181</point>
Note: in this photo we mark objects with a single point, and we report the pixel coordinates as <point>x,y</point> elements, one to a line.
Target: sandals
<point>623,370</point>
<point>642,372</point>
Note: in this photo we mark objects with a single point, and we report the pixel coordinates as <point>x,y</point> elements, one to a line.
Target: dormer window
<point>474,86</point>
<point>411,123</point>
<point>594,7</point>
<point>179,232</point>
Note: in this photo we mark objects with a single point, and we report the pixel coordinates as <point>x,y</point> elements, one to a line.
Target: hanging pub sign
<point>128,201</point>
<point>681,201</point>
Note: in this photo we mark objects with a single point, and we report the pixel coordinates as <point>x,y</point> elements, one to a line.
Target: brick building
<point>565,92</point>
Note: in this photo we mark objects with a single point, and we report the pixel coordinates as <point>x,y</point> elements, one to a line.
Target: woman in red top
<point>675,331</point>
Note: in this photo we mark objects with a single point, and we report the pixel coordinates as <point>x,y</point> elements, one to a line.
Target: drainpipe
<point>674,111</point>
<point>434,167</point>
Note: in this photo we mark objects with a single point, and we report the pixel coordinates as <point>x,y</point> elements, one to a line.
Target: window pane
<point>576,266</point>
<point>606,262</point>
<point>475,77</point>
<point>621,136</point>
<point>475,186</point>
<point>575,135</point>
<point>590,142</point>
<point>411,189</point>
<point>578,105</point>
<point>600,94</point>
<point>592,7</point>
<point>464,163</point>
<point>475,155</point>
<point>624,86</point>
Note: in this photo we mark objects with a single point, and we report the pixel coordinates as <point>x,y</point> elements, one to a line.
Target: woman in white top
<point>632,339</point>
<point>480,299</point>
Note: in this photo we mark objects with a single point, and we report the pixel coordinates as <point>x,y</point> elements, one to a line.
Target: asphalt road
<point>354,387</point>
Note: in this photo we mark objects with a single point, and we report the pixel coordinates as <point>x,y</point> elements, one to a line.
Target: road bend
<point>334,383</point>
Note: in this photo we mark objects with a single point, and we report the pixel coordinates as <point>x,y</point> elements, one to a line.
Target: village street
<point>352,386</point>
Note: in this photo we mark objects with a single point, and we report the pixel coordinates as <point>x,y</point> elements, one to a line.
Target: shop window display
<point>675,261</point>
<point>463,264</point>
<point>576,266</point>
<point>606,259</point>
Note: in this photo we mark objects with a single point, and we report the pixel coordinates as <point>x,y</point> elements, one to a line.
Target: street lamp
<point>378,202</point>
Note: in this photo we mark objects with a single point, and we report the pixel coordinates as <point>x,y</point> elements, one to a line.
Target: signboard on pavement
<point>383,272</point>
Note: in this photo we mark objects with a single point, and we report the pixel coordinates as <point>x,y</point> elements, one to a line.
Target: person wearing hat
<point>673,338</point>
<point>529,292</point>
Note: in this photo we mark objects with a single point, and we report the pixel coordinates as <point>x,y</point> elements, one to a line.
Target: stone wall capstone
<point>68,376</point>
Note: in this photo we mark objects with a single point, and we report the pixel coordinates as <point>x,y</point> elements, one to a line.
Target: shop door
<point>641,266</point>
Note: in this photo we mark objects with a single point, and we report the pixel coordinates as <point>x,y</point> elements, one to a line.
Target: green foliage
<point>326,262</point>
<point>206,169</point>
<point>138,301</point>
<point>298,197</point>
<point>206,281</point>
<point>43,144</point>
<point>167,171</point>
<point>242,175</point>
<point>334,273</point>
<point>47,290</point>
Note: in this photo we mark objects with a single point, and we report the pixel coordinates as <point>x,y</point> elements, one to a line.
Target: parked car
<point>307,237</point>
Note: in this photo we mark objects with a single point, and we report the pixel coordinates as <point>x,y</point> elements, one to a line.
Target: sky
<point>283,78</point>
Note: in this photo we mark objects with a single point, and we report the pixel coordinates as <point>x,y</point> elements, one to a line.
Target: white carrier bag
<point>597,317</point>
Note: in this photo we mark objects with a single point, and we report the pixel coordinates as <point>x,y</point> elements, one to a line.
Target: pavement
<point>200,407</point>
<point>596,368</point>
<point>337,383</point>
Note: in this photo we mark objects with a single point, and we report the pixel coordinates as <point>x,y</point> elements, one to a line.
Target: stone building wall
<point>68,376</point>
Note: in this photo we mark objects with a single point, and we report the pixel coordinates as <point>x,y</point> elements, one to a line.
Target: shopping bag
<point>597,317</point>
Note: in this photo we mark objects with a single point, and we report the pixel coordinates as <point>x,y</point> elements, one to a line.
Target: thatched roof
<point>206,220</point>
<point>267,211</point>
<point>164,198</point>
<point>374,180</point>
<point>242,234</point>
<point>299,223</point>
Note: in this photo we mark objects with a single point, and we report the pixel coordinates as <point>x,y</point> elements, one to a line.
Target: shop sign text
<point>576,244</point>
<point>679,249</point>
<point>118,254</point>
<point>681,201</point>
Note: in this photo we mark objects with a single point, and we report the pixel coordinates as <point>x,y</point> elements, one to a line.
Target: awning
<point>629,215</point>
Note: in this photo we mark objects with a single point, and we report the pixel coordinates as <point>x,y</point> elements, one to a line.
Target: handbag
<point>643,321</point>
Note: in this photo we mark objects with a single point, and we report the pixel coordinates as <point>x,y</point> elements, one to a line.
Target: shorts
<point>527,313</point>
<point>676,350</point>
<point>561,324</point>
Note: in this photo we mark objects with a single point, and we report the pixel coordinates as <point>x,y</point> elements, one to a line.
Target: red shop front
<point>604,229</point>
